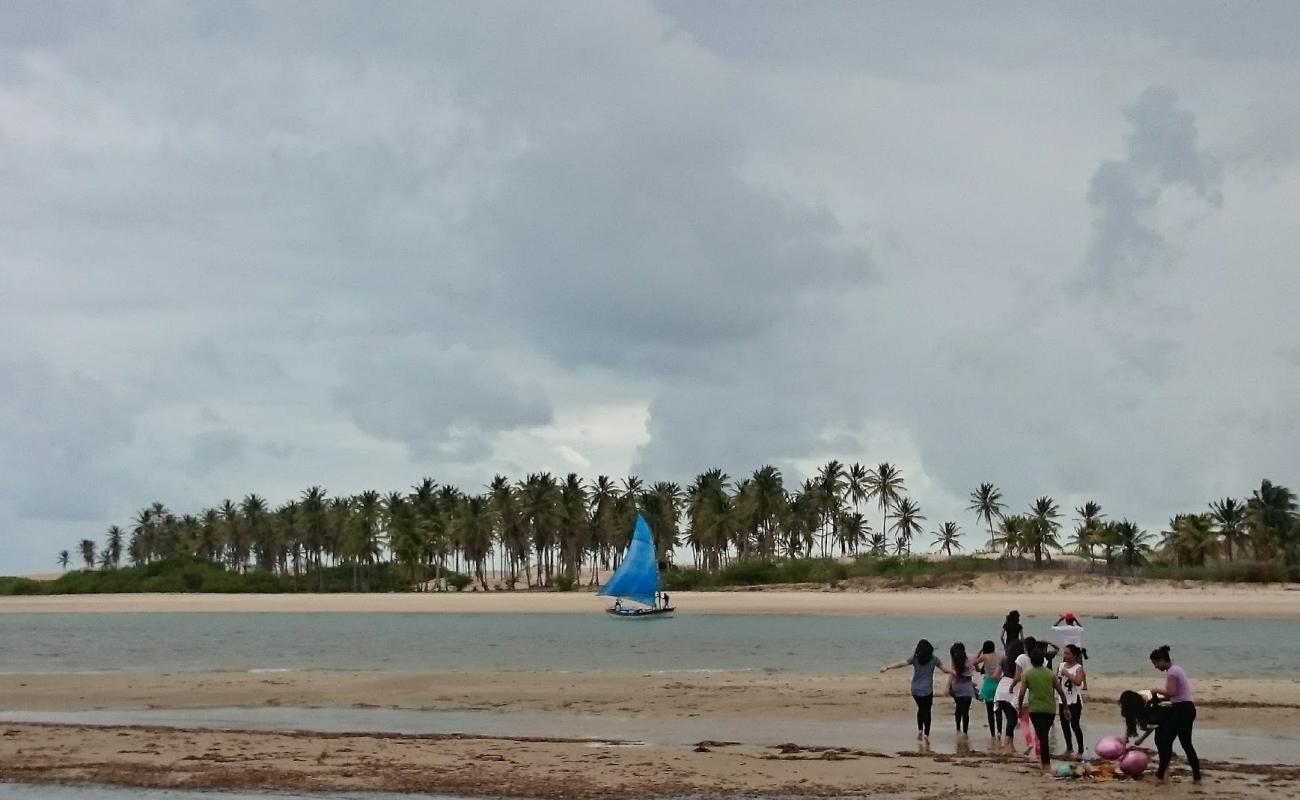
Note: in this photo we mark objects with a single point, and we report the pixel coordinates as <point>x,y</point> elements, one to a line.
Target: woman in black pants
<point>1182,714</point>
<point>923,663</point>
<point>961,686</point>
<point>988,662</point>
<point>1074,680</point>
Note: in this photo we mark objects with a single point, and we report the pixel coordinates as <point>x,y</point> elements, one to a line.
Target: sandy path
<point>989,596</point>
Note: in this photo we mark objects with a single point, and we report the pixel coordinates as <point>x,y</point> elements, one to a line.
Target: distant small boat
<point>637,579</point>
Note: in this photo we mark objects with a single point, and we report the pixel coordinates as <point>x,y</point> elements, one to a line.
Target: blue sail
<point>637,578</point>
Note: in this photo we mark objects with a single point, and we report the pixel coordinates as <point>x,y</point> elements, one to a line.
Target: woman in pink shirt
<point>1177,722</point>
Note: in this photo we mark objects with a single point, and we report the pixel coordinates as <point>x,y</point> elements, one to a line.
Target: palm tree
<point>986,502</point>
<point>1133,543</point>
<point>1273,523</point>
<point>711,516</point>
<point>907,523</point>
<point>761,504</point>
<point>879,544</point>
<point>1229,517</point>
<point>854,530</point>
<point>64,559</point>
<point>1191,539</point>
<point>831,485</point>
<point>1085,531</point>
<point>253,510</point>
<point>474,531</point>
<point>1043,525</point>
<point>856,485</point>
<point>885,486</point>
<point>947,538</point>
<point>575,526</point>
<point>113,547</point>
<point>88,553</point>
<point>1013,534</point>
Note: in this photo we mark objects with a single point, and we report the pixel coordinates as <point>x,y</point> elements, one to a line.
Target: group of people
<point>1022,688</point>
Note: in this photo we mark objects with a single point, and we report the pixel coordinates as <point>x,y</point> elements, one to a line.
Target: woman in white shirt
<point>1074,679</point>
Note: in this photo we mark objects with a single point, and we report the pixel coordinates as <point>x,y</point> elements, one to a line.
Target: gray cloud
<point>438,401</point>
<point>275,245</point>
<point>1125,195</point>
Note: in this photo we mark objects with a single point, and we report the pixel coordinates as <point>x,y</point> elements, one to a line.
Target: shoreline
<point>1035,596</point>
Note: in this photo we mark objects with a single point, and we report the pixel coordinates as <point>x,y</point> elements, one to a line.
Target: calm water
<point>200,641</point>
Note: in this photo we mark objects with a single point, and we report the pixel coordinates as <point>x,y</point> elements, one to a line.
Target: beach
<point>513,729</point>
<point>981,596</point>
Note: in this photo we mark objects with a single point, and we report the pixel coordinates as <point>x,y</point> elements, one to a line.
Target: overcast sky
<point>257,246</point>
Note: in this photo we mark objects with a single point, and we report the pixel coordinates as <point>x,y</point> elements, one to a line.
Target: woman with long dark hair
<point>923,662</point>
<point>961,686</point>
<point>1005,699</point>
<point>987,662</point>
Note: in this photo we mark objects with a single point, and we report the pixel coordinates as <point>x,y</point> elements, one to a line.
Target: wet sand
<point>756,708</point>
<point>984,596</point>
<point>555,768</point>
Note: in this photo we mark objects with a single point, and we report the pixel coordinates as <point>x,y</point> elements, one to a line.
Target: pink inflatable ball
<point>1134,763</point>
<point>1110,748</point>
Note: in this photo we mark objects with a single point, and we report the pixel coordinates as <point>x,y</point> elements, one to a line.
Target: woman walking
<point>923,663</point>
<point>1170,712</point>
<point>987,663</point>
<point>1074,680</point>
<point>1005,698</point>
<point>1041,685</point>
<point>961,686</point>
<point>1012,630</point>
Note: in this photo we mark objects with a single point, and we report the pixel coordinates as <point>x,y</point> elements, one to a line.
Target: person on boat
<point>923,662</point>
<point>618,604</point>
<point>1012,630</point>
<point>1070,631</point>
<point>987,663</point>
<point>1041,684</point>
<point>1169,712</point>
<point>1074,679</point>
<point>666,603</point>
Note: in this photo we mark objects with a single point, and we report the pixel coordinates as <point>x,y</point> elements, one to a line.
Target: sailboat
<point>637,579</point>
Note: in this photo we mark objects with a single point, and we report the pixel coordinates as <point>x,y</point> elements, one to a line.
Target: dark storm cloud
<point>1162,153</point>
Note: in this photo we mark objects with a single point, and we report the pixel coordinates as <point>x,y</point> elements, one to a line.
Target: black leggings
<point>961,715</point>
<point>923,704</point>
<point>995,719</point>
<point>1074,725</point>
<point>1043,722</point>
<point>1177,724</point>
<point>1011,715</point>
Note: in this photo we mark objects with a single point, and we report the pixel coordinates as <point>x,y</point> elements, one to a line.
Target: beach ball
<point>1134,763</point>
<point>1110,748</point>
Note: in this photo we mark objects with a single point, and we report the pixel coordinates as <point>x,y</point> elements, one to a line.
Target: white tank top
<point>1069,677</point>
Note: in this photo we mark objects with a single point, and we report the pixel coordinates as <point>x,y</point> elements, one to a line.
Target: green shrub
<point>17,586</point>
<point>685,579</point>
<point>564,583</point>
<point>458,581</point>
<point>748,572</point>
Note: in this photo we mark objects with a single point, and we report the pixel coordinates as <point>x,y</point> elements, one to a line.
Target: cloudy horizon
<point>256,246</point>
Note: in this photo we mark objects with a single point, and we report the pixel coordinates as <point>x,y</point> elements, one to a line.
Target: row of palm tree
<point>544,529</point>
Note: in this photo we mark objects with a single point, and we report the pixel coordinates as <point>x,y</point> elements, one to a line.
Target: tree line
<point>544,531</point>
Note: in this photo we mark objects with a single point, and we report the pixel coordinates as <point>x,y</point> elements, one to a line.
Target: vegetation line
<point>549,533</point>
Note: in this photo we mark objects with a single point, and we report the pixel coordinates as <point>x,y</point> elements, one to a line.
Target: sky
<point>256,246</point>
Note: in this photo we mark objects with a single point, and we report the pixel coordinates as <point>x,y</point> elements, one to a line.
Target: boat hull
<point>641,613</point>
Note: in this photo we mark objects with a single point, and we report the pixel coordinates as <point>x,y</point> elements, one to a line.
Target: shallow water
<point>691,642</point>
<point>608,730</point>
